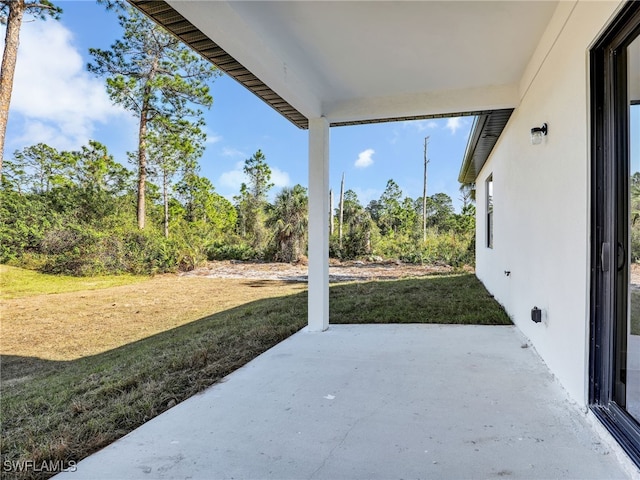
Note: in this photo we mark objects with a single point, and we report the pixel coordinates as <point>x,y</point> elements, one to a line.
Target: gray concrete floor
<point>372,402</point>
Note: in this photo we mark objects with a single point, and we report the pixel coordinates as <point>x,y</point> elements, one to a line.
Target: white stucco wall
<point>542,199</point>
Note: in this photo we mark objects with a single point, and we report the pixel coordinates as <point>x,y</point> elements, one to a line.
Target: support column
<point>318,225</point>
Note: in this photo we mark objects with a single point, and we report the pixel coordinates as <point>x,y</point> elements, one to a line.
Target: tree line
<point>83,212</point>
<point>76,212</point>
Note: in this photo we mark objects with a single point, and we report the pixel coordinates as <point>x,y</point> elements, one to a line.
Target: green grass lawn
<point>439,299</point>
<point>18,282</point>
<point>71,409</point>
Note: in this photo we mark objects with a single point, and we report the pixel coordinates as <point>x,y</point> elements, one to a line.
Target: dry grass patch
<point>72,325</point>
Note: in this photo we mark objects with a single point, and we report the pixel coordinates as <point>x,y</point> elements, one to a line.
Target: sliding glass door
<point>615,308</point>
<point>632,385</point>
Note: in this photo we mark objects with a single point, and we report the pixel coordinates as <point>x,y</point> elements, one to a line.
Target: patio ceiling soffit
<point>174,22</point>
<point>484,135</point>
<point>164,14</point>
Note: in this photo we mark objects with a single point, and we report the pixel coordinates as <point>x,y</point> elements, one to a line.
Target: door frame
<point>609,229</point>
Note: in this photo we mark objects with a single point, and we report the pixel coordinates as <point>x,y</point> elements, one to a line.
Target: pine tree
<point>155,76</point>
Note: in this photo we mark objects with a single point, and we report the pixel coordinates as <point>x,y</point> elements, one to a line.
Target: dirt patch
<point>347,271</point>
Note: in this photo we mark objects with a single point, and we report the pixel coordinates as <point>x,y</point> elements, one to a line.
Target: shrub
<point>232,251</point>
<point>148,252</point>
<point>635,243</point>
<point>24,219</point>
<point>71,250</point>
<point>82,251</point>
<point>455,249</point>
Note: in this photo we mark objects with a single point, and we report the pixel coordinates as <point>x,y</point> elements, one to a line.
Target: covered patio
<point>373,401</point>
<point>417,401</point>
<point>333,64</point>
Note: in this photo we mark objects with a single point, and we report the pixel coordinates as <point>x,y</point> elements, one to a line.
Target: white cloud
<point>233,179</point>
<point>364,158</point>
<point>213,138</point>
<point>454,124</point>
<point>279,178</point>
<point>420,125</point>
<point>232,152</point>
<point>34,131</point>
<point>58,101</point>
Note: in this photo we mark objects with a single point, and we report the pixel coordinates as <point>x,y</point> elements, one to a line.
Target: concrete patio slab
<point>368,402</point>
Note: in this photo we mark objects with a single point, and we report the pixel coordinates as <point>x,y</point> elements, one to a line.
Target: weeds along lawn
<point>168,338</point>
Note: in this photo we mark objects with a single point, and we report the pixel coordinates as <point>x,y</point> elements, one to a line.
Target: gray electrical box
<point>536,314</point>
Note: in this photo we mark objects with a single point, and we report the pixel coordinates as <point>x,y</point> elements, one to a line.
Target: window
<point>489,190</point>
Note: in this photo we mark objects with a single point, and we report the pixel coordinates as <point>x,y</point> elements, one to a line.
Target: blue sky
<point>56,101</point>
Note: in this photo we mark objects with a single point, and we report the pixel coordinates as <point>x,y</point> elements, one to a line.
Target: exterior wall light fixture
<point>537,133</point>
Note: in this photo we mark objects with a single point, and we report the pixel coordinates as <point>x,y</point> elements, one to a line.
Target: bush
<point>231,251</point>
<point>148,252</point>
<point>24,219</point>
<point>354,245</point>
<point>71,250</point>
<point>82,251</point>
<point>635,243</point>
<point>455,249</point>
<point>334,248</point>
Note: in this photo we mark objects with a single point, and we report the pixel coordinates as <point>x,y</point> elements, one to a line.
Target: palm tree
<point>289,219</point>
